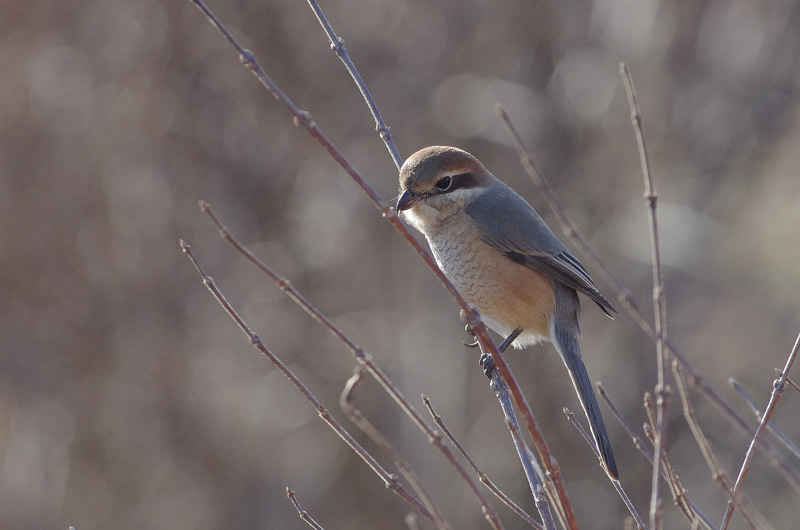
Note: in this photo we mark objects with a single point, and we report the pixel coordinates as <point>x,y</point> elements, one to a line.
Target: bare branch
<point>532,468</point>
<point>777,390</point>
<point>679,494</point>
<point>362,357</point>
<point>749,513</point>
<point>483,477</point>
<point>558,492</point>
<point>770,427</point>
<point>659,301</point>
<point>615,482</point>
<point>355,415</point>
<point>337,45</point>
<point>388,479</point>
<point>540,497</point>
<point>789,381</point>
<point>301,512</point>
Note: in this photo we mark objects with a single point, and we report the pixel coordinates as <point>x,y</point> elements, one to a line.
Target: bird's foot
<point>487,363</point>
<point>468,330</point>
<point>511,338</point>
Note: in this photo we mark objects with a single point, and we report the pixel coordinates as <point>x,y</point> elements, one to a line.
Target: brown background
<point>129,400</point>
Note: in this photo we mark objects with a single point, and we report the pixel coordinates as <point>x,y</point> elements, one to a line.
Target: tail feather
<point>566,342</point>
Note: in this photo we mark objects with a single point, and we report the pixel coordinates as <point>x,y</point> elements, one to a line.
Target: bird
<point>504,259</point>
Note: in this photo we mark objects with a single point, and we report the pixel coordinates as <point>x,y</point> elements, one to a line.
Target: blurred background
<point>128,399</point>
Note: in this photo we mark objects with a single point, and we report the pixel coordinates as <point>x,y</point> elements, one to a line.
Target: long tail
<point>566,342</point>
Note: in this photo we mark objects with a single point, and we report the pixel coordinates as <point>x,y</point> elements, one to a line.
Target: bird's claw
<point>487,363</point>
<point>469,332</point>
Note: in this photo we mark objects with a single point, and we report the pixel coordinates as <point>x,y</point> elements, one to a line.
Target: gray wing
<point>521,234</point>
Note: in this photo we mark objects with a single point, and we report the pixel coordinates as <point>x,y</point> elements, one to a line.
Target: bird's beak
<point>407,200</point>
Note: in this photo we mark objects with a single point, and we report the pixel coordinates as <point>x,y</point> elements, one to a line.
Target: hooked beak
<point>407,200</point>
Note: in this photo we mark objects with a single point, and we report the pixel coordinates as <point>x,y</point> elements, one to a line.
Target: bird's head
<point>437,183</point>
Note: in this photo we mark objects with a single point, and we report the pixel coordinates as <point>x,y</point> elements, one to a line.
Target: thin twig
<point>626,300</point>
<point>616,483</point>
<point>557,492</point>
<point>679,494</point>
<point>770,426</point>
<point>570,229</point>
<point>471,313</point>
<point>681,497</point>
<point>337,45</point>
<point>777,390</point>
<point>748,512</point>
<point>362,357</point>
<point>659,301</point>
<point>650,410</point>
<point>355,415</point>
<point>301,512</point>
<point>789,380</point>
<point>637,441</point>
<point>532,468</point>
<point>326,416</point>
<point>483,477</point>
<point>302,118</point>
<point>540,498</point>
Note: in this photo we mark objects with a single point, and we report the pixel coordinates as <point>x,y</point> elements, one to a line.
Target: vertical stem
<point>659,302</point>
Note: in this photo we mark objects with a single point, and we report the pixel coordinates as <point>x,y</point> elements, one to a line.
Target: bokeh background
<point>128,399</point>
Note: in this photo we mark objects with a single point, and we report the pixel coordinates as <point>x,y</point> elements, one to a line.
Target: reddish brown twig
<point>362,357</point>
<point>531,467</point>
<point>483,477</point>
<point>402,465</point>
<point>532,472</point>
<point>323,412</point>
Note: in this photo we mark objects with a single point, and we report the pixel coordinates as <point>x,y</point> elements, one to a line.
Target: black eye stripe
<point>450,183</point>
<point>463,180</point>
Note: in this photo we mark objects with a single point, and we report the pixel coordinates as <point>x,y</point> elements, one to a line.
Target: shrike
<point>505,260</point>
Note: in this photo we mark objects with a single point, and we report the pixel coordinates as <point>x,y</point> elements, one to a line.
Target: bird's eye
<point>444,183</point>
